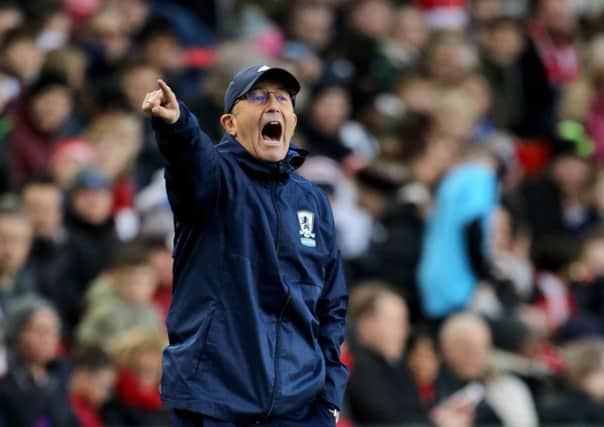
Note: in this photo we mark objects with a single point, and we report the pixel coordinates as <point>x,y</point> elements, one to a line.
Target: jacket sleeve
<point>192,163</point>
<point>331,312</point>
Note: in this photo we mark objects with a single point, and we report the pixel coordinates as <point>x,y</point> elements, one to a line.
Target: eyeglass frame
<point>267,93</point>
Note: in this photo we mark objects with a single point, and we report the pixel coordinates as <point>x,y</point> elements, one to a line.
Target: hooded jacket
<point>259,303</point>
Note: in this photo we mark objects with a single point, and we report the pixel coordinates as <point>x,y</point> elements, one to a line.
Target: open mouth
<point>272,131</point>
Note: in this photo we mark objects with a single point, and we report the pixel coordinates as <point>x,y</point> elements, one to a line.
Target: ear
<point>294,122</point>
<point>229,124</point>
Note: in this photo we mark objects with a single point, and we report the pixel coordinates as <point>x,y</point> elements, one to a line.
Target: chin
<point>273,153</point>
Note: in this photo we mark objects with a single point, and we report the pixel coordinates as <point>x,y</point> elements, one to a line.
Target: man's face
<point>386,330</point>
<point>93,205</point>
<point>15,241</point>
<point>39,340</point>
<point>51,108</point>
<point>468,353</point>
<point>264,129</point>
<point>43,203</point>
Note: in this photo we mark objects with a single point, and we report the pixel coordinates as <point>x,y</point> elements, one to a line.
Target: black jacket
<point>383,393</point>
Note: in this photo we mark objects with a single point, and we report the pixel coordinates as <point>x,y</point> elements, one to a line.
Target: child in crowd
<point>121,298</point>
<point>138,353</point>
<point>92,380</point>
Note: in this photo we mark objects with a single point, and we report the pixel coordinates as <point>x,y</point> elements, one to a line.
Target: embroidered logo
<point>306,220</point>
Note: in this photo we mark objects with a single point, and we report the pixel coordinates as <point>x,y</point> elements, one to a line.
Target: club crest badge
<point>306,219</point>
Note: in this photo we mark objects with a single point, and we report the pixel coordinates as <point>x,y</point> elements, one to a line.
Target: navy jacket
<point>259,305</point>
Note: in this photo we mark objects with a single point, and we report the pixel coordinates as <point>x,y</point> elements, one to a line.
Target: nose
<point>273,104</point>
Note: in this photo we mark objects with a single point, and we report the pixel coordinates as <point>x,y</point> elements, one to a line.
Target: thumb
<point>164,113</point>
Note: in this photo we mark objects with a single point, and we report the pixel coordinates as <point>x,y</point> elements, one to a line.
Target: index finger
<point>167,91</point>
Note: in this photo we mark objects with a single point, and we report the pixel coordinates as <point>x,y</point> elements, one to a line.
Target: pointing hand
<point>162,103</point>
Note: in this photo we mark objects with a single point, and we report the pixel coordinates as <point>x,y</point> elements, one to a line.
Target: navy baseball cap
<point>245,80</point>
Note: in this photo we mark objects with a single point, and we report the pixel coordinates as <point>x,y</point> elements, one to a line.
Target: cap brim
<point>280,75</point>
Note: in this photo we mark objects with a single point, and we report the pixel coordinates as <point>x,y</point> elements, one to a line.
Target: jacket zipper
<point>281,312</point>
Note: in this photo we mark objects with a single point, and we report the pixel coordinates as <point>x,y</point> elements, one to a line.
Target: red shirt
<point>86,414</point>
<point>131,392</point>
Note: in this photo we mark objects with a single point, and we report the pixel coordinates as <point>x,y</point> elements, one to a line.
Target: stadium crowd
<point>461,143</point>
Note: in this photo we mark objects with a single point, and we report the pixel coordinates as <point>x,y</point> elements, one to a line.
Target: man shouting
<point>259,306</point>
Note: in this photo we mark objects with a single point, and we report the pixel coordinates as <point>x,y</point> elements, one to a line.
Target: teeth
<point>274,122</point>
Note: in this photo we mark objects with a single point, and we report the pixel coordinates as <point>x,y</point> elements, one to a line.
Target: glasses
<point>260,96</point>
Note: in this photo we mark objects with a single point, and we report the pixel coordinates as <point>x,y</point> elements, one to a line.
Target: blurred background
<point>461,143</point>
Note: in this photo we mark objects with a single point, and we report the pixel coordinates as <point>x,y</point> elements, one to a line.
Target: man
<point>466,344</point>
<point>43,200</point>
<point>381,389</point>
<point>259,304</point>
<point>15,242</point>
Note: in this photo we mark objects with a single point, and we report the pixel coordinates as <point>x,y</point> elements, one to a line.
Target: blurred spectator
<point>70,62</point>
<point>160,47</point>
<point>381,390</point>
<point>106,133</point>
<point>453,119</point>
<point>403,221</point>
<point>368,24</point>
<point>580,400</point>
<point>555,202</point>
<point>15,242</point>
<point>417,92</point>
<point>33,392</point>
<point>408,38</point>
<point>423,360</point>
<point>22,58</point>
<point>137,79</point>
<point>120,299</point>
<point>92,240</point>
<point>38,115</point>
<point>476,87</point>
<point>457,230</point>
<point>450,58</point>
<point>11,17</point>
<point>502,45</point>
<point>138,353</point>
<point>208,104</point>
<point>328,110</point>
<point>138,12</point>
<point>91,384</point>
<point>43,200</point>
<point>510,242</point>
<point>554,257</point>
<point>107,43</point>
<point>549,61</point>
<point>312,23</point>
<point>69,157</point>
<point>465,341</point>
<point>375,185</point>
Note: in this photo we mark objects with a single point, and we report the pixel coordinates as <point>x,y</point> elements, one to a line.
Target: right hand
<point>162,103</point>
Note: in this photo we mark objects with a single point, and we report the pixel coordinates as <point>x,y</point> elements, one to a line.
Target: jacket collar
<point>282,169</point>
